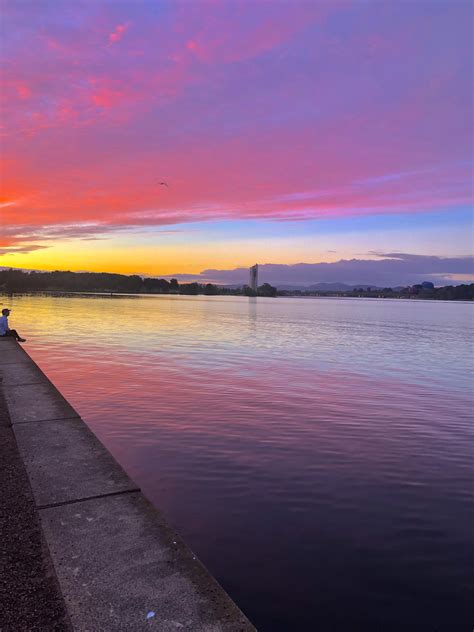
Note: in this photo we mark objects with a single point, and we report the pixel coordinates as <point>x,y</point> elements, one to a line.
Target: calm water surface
<point>316,454</point>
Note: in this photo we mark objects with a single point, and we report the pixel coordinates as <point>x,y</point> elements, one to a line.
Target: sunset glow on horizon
<point>286,133</point>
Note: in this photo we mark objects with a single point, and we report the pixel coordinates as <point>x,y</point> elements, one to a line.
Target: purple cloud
<point>392,269</point>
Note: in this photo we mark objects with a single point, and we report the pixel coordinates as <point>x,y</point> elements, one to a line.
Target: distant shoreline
<point>117,295</point>
<point>20,282</point>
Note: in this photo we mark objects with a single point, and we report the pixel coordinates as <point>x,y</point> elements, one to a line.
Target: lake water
<point>316,454</point>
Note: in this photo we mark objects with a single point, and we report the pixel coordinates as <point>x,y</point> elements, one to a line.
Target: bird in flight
<point>164,184</point>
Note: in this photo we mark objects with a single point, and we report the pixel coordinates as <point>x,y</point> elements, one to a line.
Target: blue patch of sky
<point>457,218</point>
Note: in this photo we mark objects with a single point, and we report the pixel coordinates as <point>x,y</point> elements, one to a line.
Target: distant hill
<point>327,287</point>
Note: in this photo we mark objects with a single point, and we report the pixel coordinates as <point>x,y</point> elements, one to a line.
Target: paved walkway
<point>30,598</point>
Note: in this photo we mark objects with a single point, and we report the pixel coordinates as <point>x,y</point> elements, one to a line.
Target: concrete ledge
<point>120,566</point>
<point>12,353</point>
<point>36,402</point>
<point>29,393</point>
<point>30,597</point>
<point>66,462</point>
<point>20,373</point>
<point>121,547</point>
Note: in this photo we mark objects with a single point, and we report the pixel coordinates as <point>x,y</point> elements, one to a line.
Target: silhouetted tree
<point>248,291</point>
<point>210,289</point>
<point>267,290</point>
<point>157,286</point>
<point>190,288</point>
<point>174,285</point>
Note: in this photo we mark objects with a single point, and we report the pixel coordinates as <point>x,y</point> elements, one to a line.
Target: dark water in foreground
<point>316,454</point>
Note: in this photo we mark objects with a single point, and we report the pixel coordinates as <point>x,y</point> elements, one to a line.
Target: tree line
<point>424,290</point>
<point>19,281</point>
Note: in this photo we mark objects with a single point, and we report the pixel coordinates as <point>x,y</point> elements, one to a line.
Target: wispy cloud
<point>16,250</point>
<point>17,238</point>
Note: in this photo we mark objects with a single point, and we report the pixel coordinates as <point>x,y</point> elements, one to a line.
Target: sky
<point>287,133</point>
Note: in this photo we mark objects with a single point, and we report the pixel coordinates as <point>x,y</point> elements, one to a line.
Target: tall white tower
<point>254,277</point>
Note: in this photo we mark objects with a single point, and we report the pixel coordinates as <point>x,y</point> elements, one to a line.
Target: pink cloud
<point>23,91</point>
<point>266,113</point>
<point>118,33</point>
<point>212,40</point>
<point>105,96</point>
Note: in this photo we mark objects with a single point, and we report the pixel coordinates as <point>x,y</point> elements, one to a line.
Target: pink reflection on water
<point>248,415</point>
<point>347,485</point>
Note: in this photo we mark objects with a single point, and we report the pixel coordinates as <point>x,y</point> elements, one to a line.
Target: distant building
<point>254,277</point>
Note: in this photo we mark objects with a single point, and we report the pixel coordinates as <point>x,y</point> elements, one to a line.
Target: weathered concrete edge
<point>221,613</point>
<point>27,574</point>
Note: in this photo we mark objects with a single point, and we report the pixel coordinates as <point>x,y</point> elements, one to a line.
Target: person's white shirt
<point>3,325</point>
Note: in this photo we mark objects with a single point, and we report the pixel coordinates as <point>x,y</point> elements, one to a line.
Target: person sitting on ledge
<point>5,329</point>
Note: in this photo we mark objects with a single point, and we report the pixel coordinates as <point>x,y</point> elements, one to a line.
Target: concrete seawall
<point>119,565</point>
